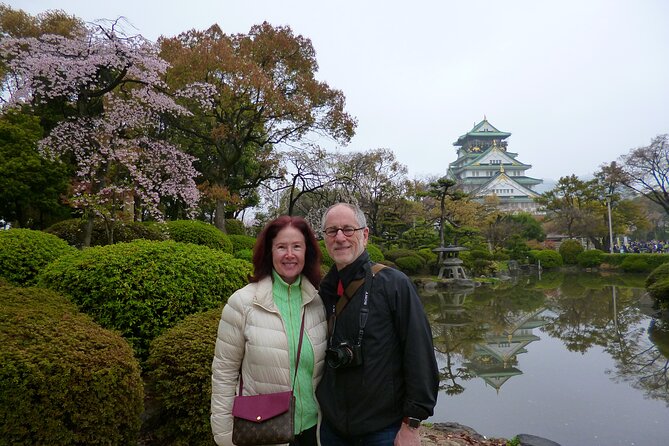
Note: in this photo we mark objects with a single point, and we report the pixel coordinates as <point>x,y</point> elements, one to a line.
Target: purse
<point>267,418</point>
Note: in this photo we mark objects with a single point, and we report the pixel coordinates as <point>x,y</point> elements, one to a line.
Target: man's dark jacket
<point>399,375</point>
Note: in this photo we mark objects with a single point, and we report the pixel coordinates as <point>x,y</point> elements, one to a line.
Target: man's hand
<point>407,436</point>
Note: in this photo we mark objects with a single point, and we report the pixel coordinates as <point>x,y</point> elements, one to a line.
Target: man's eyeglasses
<point>347,231</point>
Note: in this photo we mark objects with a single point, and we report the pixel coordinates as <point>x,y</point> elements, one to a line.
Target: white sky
<point>576,82</point>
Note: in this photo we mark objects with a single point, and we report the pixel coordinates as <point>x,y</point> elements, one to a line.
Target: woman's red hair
<point>262,250</point>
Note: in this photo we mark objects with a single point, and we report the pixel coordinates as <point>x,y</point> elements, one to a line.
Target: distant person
<point>381,377</point>
<point>260,325</point>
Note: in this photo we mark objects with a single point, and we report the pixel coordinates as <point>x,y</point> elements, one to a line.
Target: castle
<point>485,168</point>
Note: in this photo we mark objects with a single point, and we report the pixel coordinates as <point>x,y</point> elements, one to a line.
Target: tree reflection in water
<point>486,328</point>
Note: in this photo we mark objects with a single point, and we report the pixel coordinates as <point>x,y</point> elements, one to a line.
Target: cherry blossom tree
<point>112,104</point>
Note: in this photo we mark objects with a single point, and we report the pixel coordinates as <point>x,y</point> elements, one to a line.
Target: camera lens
<point>338,356</point>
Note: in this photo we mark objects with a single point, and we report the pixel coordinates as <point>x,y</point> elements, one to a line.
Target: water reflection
<point>483,333</point>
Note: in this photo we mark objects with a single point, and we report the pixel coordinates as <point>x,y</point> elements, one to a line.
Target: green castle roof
<point>482,130</point>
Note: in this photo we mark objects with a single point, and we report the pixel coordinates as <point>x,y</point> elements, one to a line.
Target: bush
<point>428,255</point>
<point>548,258</point>
<point>73,231</point>
<point>234,227</point>
<point>412,264</point>
<point>590,259</point>
<point>635,265</point>
<point>199,233</point>
<point>658,274</point>
<point>395,254</point>
<point>569,250</point>
<point>240,242</point>
<point>143,287</point>
<point>64,380</point>
<point>24,252</point>
<point>179,377</point>
<point>245,254</point>
<point>326,260</point>
<point>660,289</point>
<point>375,253</point>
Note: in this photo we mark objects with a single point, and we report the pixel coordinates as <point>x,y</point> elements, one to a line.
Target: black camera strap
<point>370,271</point>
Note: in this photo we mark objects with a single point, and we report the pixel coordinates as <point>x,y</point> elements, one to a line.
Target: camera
<point>343,355</point>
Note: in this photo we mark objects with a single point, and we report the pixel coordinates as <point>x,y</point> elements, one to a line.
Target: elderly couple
<point>365,383</point>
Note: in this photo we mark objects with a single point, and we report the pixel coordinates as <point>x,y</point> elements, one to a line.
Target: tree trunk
<point>88,233</point>
<point>219,219</point>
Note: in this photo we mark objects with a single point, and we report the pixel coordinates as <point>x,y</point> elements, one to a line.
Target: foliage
<point>591,258</point>
<point>244,254</point>
<point>24,253</point>
<point>395,254</point>
<point>240,242</point>
<point>653,260</point>
<point>264,94</point>
<point>422,236</point>
<point>570,206</point>
<point>110,96</point>
<point>30,185</point>
<point>478,261</point>
<point>73,232</point>
<point>179,378</point>
<point>658,274</point>
<point>411,264</point>
<point>517,248</point>
<point>234,227</point>
<point>199,233</point>
<point>548,258</point>
<point>143,287</point>
<point>64,380</point>
<point>569,250</point>
<point>646,170</point>
<point>428,255</point>
<point>375,254</point>
<point>327,261</point>
<point>635,265</point>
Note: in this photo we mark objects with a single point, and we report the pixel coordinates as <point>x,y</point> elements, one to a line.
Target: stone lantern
<point>451,265</point>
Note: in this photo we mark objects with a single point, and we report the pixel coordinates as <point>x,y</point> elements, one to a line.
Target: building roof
<point>482,130</point>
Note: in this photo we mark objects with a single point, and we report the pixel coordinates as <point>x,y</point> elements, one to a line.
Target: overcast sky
<point>577,82</point>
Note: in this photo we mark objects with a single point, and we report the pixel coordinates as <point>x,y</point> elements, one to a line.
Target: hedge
<point>569,250</point>
<point>199,233</point>
<point>24,252</point>
<point>591,258</point>
<point>73,231</point>
<point>179,380</point>
<point>547,257</point>
<point>241,242</point>
<point>64,380</point>
<point>143,287</point>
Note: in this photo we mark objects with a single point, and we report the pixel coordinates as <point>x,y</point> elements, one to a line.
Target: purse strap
<point>297,359</point>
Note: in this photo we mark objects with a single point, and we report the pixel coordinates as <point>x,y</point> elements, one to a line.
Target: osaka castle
<point>485,168</point>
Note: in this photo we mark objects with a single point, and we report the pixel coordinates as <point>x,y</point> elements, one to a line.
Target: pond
<point>581,359</point>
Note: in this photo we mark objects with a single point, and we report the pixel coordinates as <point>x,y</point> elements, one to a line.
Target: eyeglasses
<point>347,231</point>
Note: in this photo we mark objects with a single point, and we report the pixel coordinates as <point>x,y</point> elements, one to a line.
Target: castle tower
<point>484,168</point>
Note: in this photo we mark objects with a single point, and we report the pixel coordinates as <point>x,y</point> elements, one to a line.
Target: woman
<point>260,325</point>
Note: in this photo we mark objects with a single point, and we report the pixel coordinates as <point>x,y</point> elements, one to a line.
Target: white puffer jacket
<point>251,336</point>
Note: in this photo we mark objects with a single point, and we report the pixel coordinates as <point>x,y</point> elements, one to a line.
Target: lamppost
<point>608,208</point>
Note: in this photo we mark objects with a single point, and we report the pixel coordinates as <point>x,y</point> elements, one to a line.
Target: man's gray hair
<point>359,215</point>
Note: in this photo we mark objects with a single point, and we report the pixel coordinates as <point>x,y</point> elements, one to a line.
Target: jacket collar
<point>265,299</point>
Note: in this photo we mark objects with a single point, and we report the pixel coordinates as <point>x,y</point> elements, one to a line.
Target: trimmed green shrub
<point>395,254</point>
<point>548,258</point>
<point>659,273</point>
<point>375,254</point>
<point>660,289</point>
<point>64,380</point>
<point>143,287</point>
<point>179,378</point>
<point>412,264</point>
<point>234,227</point>
<point>74,229</point>
<point>199,233</point>
<point>569,250</point>
<point>245,254</point>
<point>326,260</point>
<point>652,259</point>
<point>591,258</point>
<point>635,265</point>
<point>24,252</point>
<point>428,255</point>
<point>240,242</point>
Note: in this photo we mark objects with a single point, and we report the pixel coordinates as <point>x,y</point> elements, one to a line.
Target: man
<point>381,377</point>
